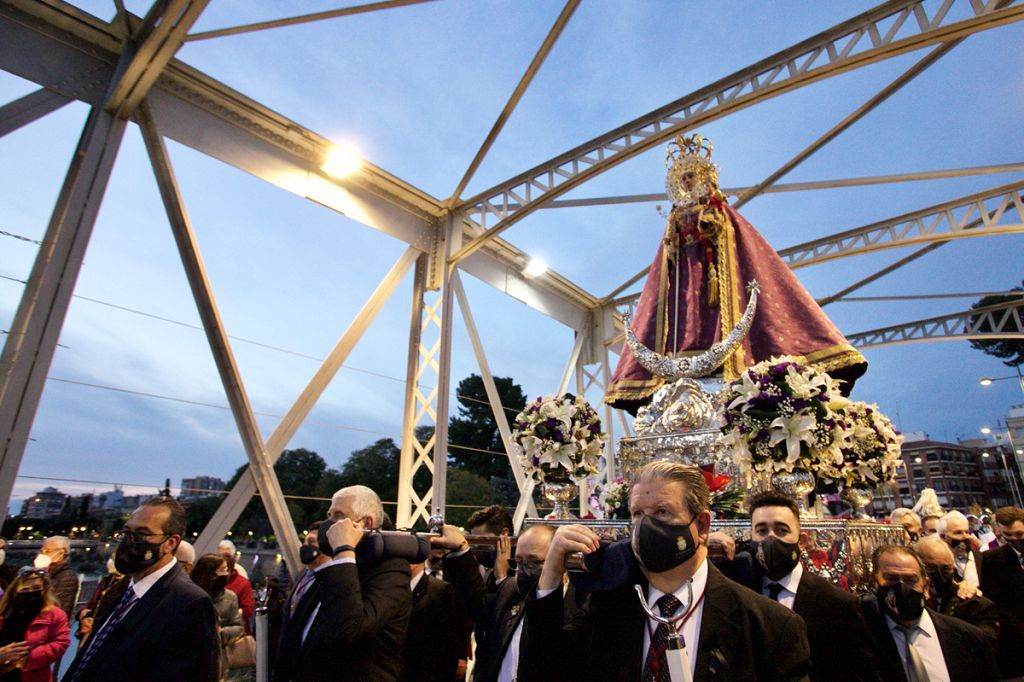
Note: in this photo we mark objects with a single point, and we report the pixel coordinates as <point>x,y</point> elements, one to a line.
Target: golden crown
<point>695,145</point>
<point>691,176</point>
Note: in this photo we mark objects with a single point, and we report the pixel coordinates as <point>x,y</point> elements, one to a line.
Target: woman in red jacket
<point>33,628</point>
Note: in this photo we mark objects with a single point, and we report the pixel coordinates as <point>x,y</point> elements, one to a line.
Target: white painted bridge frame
<point>125,70</point>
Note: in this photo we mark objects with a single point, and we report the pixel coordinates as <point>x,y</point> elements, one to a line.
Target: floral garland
<point>781,415</point>
<point>871,447</point>
<point>559,433</point>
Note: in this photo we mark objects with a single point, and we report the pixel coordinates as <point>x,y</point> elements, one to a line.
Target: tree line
<point>478,469</point>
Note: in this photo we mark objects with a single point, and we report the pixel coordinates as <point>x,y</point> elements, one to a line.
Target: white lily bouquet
<point>559,437</point>
<point>780,416</point>
<point>871,446</point>
<point>615,499</point>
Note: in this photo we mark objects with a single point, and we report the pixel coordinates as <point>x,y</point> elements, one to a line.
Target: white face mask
<point>42,561</point>
<point>3,556</point>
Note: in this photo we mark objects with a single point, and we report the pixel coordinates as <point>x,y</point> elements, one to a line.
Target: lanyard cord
<point>676,624</point>
<point>679,621</point>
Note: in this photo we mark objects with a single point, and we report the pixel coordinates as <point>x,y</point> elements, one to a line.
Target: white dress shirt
<point>312,616</point>
<point>789,584</point>
<point>926,640</point>
<point>415,580</point>
<point>691,628</point>
<point>968,570</point>
<point>142,587</point>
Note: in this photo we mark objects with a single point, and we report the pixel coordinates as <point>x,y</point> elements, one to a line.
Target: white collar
<point>143,585</point>
<point>415,580</point>
<point>682,593</point>
<point>924,624</point>
<point>790,582</point>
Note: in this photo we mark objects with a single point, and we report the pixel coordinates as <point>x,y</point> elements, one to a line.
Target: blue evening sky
<point>417,89</point>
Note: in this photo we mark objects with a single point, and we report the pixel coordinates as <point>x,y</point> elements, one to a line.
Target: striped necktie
<point>656,664</point>
<point>300,590</point>
<point>95,643</point>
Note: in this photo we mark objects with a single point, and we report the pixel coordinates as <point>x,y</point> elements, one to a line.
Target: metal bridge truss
<point>1004,321</point>
<point>125,70</point>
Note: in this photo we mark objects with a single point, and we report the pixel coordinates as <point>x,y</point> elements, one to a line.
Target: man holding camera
<point>355,626</point>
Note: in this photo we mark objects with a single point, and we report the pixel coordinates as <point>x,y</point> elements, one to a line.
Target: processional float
<point>730,365</point>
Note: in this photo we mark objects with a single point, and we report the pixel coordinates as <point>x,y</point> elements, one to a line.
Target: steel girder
<point>967,216</point>
<point>71,53</point>
<point>153,45</point>
<point>35,330</point>
<point>32,106</point>
<point>1003,321</point>
<point>261,468</point>
<point>891,29</point>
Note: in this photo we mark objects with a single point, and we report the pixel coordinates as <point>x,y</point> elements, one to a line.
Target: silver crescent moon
<point>701,365</point>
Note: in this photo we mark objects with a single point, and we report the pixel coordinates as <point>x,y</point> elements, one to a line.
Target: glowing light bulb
<point>342,161</point>
<point>535,268</point>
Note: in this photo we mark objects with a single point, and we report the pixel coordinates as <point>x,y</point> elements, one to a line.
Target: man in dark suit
<point>433,645</point>
<point>729,632</point>
<point>1002,580</point>
<point>497,604</point>
<point>353,626</point>
<point>955,530</point>
<point>950,599</point>
<point>912,642</point>
<point>158,626</point>
<point>773,568</point>
<point>301,600</point>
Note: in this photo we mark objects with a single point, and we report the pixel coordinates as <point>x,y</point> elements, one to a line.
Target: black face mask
<point>220,583</point>
<point>902,602</point>
<point>527,579</point>
<point>1016,544</point>
<point>132,557</point>
<point>960,547</point>
<point>777,557</point>
<point>485,556</point>
<point>308,554</point>
<point>662,546</point>
<point>941,580</point>
<point>28,602</point>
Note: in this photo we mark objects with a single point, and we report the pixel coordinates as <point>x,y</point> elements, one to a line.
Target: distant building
<point>1010,434</point>
<point>960,475</point>
<point>113,499</point>
<point>116,501</point>
<point>200,486</point>
<point>46,504</point>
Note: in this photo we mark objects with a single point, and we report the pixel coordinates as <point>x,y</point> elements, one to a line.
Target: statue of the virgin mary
<point>695,292</point>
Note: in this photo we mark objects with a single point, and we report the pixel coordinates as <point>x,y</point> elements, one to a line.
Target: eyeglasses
<point>136,535</point>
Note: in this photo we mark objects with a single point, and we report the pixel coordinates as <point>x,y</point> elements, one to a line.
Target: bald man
<point>949,598</point>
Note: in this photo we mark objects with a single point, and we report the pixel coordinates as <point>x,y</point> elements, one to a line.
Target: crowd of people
<point>947,604</point>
